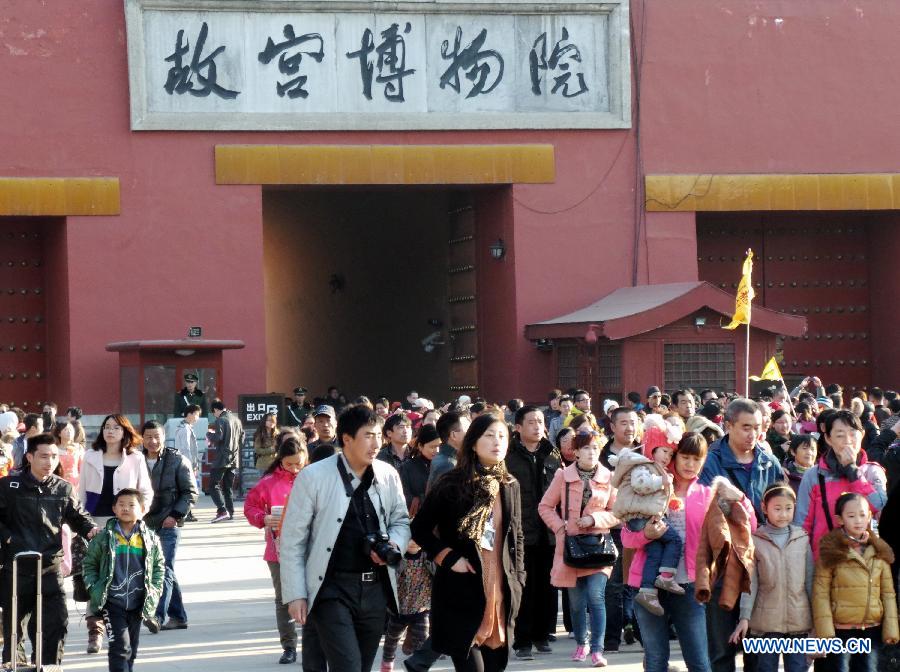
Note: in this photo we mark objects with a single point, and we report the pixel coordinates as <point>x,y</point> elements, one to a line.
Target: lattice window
<point>610,378</point>
<point>699,365</point>
<point>567,366</point>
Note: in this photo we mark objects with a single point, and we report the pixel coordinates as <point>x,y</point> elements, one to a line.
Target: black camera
<point>381,544</point>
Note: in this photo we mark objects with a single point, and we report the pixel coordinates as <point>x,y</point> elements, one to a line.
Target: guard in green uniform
<point>298,410</point>
<point>188,395</point>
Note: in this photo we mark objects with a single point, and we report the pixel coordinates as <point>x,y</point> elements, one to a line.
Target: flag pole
<point>747,361</point>
<point>747,348</point>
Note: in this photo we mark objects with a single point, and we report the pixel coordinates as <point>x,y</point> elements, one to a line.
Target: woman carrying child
<point>644,493</point>
<point>686,514</point>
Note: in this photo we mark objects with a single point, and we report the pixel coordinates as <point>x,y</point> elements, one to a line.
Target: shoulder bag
<point>588,551</point>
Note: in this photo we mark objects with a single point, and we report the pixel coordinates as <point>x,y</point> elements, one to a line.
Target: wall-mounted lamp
<point>498,250</point>
<point>185,353</point>
<point>591,335</point>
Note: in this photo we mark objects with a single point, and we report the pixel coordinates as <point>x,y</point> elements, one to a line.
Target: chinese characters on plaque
<point>392,69</point>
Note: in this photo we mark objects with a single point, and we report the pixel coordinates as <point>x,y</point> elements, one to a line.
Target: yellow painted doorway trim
<point>729,193</point>
<point>384,164</point>
<point>59,196</point>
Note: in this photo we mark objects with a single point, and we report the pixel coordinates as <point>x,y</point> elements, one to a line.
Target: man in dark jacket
<point>227,437</point>
<point>190,394</point>
<point>452,428</point>
<point>738,457</point>
<point>298,410</point>
<point>34,504</point>
<point>533,461</point>
<point>174,491</point>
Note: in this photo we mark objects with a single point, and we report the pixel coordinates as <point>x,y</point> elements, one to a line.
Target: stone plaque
<point>324,65</point>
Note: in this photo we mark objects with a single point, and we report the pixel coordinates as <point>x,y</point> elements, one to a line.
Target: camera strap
<point>347,480</point>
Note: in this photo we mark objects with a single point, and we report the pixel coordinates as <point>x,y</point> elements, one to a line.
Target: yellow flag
<point>770,372</point>
<point>744,295</point>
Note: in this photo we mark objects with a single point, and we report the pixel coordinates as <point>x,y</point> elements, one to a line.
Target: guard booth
<point>151,373</point>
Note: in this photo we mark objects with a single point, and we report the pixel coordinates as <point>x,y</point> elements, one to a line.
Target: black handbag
<point>79,589</point>
<point>588,551</point>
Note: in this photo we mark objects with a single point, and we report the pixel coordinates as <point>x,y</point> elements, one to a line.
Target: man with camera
<point>339,576</point>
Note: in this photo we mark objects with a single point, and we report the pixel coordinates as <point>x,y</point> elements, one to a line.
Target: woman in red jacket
<point>263,508</point>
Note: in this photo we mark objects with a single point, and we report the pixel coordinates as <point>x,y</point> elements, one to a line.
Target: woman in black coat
<point>414,471</point>
<point>478,585</point>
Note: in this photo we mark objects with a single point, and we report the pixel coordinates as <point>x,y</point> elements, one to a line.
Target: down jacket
<point>272,490</point>
<point>726,551</point>
<point>852,589</point>
<point>629,504</point>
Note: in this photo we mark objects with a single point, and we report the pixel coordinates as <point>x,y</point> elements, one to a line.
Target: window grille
<point>610,369</point>
<point>699,365</point>
<point>567,366</point>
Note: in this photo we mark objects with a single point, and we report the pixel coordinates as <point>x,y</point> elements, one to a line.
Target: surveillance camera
<point>433,339</point>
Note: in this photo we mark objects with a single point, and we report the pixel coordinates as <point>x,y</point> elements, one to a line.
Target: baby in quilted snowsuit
<point>644,490</point>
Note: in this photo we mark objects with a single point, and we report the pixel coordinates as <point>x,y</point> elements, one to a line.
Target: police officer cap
<point>299,390</point>
<point>191,378</point>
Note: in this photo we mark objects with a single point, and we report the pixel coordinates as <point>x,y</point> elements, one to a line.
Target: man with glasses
<point>582,401</point>
<point>654,398</point>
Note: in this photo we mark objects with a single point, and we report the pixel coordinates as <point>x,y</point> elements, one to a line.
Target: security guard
<point>188,395</point>
<point>298,410</point>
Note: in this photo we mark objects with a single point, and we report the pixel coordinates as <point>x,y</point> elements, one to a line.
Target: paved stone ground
<point>229,599</point>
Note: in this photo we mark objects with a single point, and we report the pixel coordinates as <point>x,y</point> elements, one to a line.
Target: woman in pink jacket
<point>263,508</point>
<point>687,510</point>
<point>590,501</point>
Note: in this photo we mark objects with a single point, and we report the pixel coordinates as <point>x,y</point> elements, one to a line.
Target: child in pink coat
<point>263,508</point>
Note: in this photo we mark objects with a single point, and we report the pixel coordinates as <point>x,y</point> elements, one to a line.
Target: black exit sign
<point>195,332</point>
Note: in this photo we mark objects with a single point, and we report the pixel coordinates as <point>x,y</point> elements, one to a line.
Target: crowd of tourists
<point>459,529</point>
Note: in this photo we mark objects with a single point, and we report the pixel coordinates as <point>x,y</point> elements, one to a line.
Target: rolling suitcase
<point>38,615</point>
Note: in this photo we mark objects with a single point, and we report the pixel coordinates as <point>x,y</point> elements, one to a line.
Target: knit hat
<point>657,433</point>
<point>427,433</point>
<point>608,405</point>
<point>824,401</point>
<point>697,423</point>
<point>8,422</point>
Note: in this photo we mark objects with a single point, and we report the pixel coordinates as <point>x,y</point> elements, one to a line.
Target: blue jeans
<point>689,618</point>
<point>793,662</point>
<point>859,662</point>
<point>589,592</point>
<point>663,554</point>
<point>170,603</point>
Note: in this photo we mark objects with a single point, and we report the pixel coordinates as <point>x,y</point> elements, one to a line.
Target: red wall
<point>726,86</point>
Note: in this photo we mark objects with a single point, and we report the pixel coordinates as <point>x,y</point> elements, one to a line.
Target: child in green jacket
<point>123,572</point>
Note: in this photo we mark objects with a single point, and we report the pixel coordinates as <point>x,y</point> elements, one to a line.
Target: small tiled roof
<point>629,311</point>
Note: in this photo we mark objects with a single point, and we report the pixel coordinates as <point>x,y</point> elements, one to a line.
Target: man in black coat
<point>174,492</point>
<point>34,504</point>
<point>298,410</point>
<point>188,395</point>
<point>227,436</point>
<point>533,461</point>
